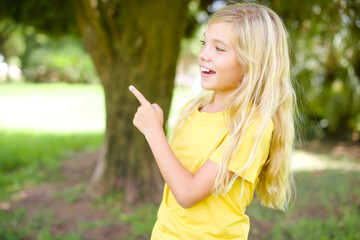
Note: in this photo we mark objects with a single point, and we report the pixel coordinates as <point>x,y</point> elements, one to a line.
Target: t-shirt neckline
<point>208,115</point>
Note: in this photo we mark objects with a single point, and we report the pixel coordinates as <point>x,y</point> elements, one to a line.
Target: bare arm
<point>188,188</point>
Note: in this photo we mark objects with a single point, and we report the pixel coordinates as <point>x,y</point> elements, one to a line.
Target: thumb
<point>159,112</point>
<point>156,107</point>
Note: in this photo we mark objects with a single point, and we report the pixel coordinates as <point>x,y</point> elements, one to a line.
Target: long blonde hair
<point>265,92</point>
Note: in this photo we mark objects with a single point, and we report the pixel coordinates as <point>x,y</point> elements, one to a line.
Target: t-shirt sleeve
<point>241,156</point>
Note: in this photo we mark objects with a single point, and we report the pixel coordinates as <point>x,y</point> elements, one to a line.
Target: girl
<point>234,137</point>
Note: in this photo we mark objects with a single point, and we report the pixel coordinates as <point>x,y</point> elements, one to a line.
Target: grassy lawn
<point>42,124</point>
<point>327,206</point>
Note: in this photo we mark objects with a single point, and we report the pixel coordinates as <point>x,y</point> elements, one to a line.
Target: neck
<point>220,101</point>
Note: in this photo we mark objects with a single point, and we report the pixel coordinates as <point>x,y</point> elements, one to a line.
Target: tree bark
<point>131,42</point>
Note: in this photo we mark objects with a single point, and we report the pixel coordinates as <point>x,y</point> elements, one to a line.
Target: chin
<point>206,86</point>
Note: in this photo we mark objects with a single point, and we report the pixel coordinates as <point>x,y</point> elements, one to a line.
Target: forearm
<point>176,176</point>
<point>187,188</point>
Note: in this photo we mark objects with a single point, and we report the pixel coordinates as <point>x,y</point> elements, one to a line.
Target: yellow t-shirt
<point>216,217</point>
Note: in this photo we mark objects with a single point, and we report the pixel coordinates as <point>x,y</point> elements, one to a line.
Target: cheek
<point>234,72</point>
<point>234,78</point>
<point>237,70</point>
<point>239,73</point>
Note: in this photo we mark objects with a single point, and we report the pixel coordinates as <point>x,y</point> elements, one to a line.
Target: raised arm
<point>188,188</point>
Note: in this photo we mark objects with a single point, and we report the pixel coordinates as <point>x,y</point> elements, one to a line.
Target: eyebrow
<point>219,41</point>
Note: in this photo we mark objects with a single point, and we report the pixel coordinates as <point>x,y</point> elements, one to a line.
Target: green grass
<point>38,228</point>
<point>41,124</point>
<point>9,221</point>
<point>327,207</point>
<point>71,194</point>
<point>30,157</point>
<point>141,219</point>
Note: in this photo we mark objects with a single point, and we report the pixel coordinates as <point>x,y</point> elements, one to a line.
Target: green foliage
<point>61,60</point>
<point>325,51</point>
<point>324,40</point>
<point>54,17</point>
<point>43,58</point>
<point>11,44</point>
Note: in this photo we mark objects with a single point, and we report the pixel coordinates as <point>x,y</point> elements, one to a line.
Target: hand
<point>149,117</point>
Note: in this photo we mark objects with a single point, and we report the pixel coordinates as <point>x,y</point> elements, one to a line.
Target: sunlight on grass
<point>306,161</point>
<point>62,107</point>
<point>52,107</point>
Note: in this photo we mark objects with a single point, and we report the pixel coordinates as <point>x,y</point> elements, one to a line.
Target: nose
<point>203,55</point>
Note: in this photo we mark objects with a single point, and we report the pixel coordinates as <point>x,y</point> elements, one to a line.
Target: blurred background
<point>64,110</point>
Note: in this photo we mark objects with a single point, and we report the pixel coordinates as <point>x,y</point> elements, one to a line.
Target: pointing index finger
<point>138,95</point>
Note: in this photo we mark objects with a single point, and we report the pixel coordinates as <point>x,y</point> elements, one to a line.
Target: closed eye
<point>219,49</point>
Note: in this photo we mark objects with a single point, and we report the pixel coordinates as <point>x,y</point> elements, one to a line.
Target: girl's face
<point>219,66</point>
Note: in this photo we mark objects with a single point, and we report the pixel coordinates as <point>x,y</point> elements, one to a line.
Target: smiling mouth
<point>206,70</point>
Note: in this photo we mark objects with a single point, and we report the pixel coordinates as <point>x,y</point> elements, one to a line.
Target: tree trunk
<point>131,42</point>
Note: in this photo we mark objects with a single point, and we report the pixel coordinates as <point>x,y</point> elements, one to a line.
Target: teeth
<point>205,69</point>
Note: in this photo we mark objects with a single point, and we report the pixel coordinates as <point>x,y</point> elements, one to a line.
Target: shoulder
<point>259,126</point>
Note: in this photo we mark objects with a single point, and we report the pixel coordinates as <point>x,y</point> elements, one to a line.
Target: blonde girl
<point>234,138</point>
